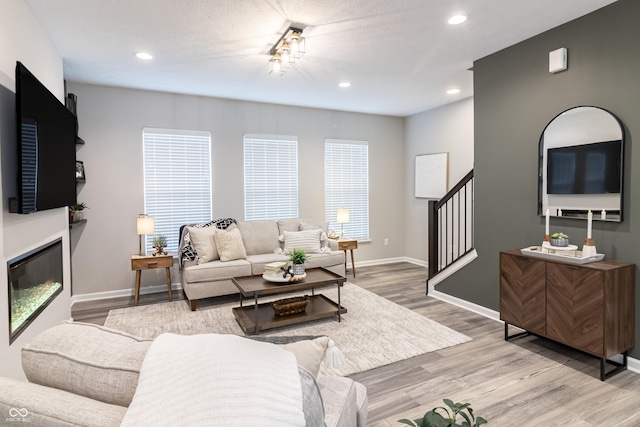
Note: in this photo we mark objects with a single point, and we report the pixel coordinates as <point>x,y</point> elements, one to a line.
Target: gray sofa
<point>261,240</point>
<point>86,375</point>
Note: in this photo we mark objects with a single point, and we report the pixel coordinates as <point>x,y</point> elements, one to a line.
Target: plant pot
<point>297,269</point>
<point>560,242</point>
<point>77,216</point>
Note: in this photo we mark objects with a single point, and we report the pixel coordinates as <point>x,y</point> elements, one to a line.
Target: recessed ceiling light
<point>457,19</point>
<point>344,84</point>
<point>144,55</point>
<point>453,91</point>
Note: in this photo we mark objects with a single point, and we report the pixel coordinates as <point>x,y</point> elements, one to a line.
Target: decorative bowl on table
<point>560,242</point>
<point>278,278</point>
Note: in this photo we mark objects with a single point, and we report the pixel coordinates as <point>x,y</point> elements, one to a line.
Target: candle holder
<point>546,238</point>
<point>589,248</point>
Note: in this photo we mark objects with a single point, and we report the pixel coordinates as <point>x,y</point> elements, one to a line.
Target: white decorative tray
<point>279,279</point>
<point>572,256</point>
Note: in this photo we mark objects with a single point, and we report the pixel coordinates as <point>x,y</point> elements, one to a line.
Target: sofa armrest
<point>345,401</point>
<point>38,405</point>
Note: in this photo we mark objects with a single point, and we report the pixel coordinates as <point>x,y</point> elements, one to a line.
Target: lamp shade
<point>146,224</point>
<point>343,216</point>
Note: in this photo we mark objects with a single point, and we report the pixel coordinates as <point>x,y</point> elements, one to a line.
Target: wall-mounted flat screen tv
<point>585,169</point>
<point>46,132</point>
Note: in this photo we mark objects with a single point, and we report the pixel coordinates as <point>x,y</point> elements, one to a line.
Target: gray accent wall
<point>515,98</point>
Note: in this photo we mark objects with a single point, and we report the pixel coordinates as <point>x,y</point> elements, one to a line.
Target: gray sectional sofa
<point>87,375</point>
<point>204,274</point>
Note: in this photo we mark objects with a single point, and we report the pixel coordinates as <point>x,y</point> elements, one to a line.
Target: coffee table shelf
<point>319,307</point>
<point>261,316</point>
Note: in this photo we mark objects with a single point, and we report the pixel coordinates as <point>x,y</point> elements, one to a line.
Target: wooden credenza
<point>589,307</point>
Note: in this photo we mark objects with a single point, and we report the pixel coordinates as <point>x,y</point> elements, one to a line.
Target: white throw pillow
<point>324,242</point>
<point>203,241</point>
<point>308,241</point>
<point>309,353</point>
<point>229,245</point>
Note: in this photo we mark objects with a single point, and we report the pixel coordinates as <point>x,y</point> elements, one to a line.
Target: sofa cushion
<point>308,241</point>
<point>229,245</point>
<point>45,406</point>
<point>259,236</point>
<point>216,270</point>
<point>204,243</point>
<point>325,260</point>
<point>293,224</point>
<point>86,359</point>
<point>312,404</point>
<point>259,261</point>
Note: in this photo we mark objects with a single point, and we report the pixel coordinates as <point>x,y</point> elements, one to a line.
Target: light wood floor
<point>527,382</point>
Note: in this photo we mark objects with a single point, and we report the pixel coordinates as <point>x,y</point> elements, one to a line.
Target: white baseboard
<point>95,296</point>
<point>467,305</point>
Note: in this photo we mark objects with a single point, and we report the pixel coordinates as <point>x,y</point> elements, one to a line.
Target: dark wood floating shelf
<point>79,141</point>
<point>319,307</point>
<point>77,223</point>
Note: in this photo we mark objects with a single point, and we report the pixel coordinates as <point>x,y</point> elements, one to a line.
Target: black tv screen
<point>585,169</point>
<point>46,132</point>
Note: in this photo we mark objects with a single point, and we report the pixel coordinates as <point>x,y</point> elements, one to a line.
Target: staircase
<point>450,231</point>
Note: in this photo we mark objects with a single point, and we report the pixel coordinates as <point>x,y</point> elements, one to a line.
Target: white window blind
<point>346,185</point>
<point>270,177</point>
<point>177,180</point>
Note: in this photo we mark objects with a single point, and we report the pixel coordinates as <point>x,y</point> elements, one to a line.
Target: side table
<point>146,262</point>
<point>348,245</point>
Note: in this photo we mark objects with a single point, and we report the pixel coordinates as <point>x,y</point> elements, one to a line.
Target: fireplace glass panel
<point>35,279</point>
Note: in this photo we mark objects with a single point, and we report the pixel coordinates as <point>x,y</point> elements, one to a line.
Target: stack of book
<point>274,268</point>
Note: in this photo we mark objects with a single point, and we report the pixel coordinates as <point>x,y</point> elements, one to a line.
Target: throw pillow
<point>202,240</point>
<point>309,353</point>
<point>229,245</point>
<point>187,252</point>
<point>324,242</point>
<point>308,241</point>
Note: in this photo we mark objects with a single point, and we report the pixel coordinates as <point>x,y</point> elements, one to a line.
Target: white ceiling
<point>400,55</point>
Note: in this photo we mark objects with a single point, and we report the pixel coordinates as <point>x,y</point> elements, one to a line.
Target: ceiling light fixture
<point>344,84</point>
<point>289,48</point>
<point>144,55</point>
<point>457,19</point>
<point>453,91</point>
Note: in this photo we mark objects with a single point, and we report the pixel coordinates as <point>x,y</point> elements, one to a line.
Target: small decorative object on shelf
<point>80,175</point>
<point>76,211</point>
<point>589,248</point>
<point>288,306</point>
<point>159,242</point>
<point>559,239</point>
<point>297,258</point>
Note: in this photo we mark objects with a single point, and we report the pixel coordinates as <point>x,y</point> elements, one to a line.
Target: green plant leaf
<point>480,421</point>
<point>407,422</point>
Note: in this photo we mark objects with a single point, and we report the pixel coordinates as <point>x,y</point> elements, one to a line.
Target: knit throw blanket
<point>216,380</point>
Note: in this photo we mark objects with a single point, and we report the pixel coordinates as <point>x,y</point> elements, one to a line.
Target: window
<point>270,177</point>
<point>346,185</point>
<point>177,180</point>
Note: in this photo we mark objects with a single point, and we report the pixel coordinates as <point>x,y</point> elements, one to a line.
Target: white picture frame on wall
<point>431,175</point>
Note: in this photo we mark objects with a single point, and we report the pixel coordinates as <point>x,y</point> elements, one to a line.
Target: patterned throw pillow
<point>187,251</point>
<point>308,241</point>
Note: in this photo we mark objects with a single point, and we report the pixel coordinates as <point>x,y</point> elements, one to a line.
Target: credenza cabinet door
<point>575,307</point>
<point>523,292</point>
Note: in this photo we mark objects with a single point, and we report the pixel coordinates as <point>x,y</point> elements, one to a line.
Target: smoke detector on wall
<point>558,60</point>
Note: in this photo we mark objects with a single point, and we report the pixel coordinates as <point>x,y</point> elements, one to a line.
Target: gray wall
<point>111,121</point>
<point>447,129</point>
<point>515,98</point>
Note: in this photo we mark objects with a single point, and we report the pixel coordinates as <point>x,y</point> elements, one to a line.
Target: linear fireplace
<point>35,279</point>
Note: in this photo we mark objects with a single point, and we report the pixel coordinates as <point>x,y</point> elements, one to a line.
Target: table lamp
<point>146,225</point>
<point>343,218</point>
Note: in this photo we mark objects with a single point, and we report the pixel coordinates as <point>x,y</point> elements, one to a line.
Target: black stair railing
<point>450,227</point>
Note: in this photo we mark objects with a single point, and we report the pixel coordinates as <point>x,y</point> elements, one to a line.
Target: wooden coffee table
<point>259,317</point>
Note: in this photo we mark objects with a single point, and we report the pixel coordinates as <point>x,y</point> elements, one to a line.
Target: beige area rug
<point>373,333</point>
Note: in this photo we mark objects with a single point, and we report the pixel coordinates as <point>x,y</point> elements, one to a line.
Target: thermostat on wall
<point>558,60</point>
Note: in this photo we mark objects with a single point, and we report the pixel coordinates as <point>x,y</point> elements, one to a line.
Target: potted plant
<point>77,211</point>
<point>559,239</point>
<point>297,257</point>
<point>435,417</point>
<point>159,242</point>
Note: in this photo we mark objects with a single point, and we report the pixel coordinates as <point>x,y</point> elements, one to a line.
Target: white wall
<point>22,38</point>
<point>111,121</point>
<point>444,129</point>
